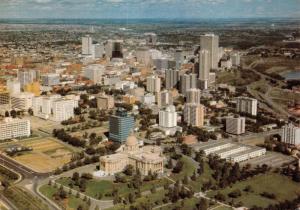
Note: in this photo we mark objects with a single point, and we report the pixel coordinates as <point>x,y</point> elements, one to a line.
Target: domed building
<point>145,158</point>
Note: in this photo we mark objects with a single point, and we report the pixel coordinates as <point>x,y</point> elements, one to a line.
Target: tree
<point>202,205</point>
<point>13,113</point>
<point>129,170</point>
<point>7,114</point>
<point>30,111</point>
<point>169,164</point>
<point>131,198</point>
<point>75,176</point>
<point>185,180</point>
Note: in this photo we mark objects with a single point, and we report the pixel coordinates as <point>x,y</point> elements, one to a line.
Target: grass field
<point>71,203</point>
<point>47,154</point>
<point>281,186</point>
<point>95,187</point>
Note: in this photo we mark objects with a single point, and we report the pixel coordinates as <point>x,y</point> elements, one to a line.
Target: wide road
<point>25,171</point>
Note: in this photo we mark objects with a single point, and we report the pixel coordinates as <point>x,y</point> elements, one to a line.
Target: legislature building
<point>145,159</point>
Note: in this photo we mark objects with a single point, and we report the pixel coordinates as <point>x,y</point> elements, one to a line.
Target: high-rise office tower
<point>193,96</point>
<point>291,134</point>
<point>164,98</point>
<point>187,81</point>
<point>114,49</point>
<point>172,78</point>
<point>235,125</point>
<point>246,105</point>
<point>210,42</point>
<point>87,45</point>
<point>120,125</point>
<point>204,56</point>
<point>168,117</point>
<point>193,114</point>
<point>153,84</point>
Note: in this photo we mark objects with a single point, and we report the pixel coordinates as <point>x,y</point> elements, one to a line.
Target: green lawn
<point>71,203</point>
<point>281,186</point>
<point>95,187</point>
<point>152,199</point>
<point>187,170</point>
<point>206,176</point>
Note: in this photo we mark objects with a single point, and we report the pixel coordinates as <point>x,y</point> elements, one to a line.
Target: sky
<point>148,8</point>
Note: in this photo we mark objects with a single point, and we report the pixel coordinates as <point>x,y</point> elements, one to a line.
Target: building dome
<point>131,141</point>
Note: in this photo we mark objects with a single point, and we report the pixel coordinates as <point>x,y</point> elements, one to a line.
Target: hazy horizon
<point>145,9</point>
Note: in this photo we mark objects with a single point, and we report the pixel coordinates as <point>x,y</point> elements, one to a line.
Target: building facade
<point>14,128</point>
<point>54,107</point>
<point>193,115</point>
<point>246,105</point>
<point>193,96</point>
<point>210,43</point>
<point>164,98</point>
<point>144,159</point>
<point>187,81</point>
<point>172,78</point>
<point>22,101</point>
<point>235,125</point>
<point>87,44</point>
<point>153,84</point>
<point>168,117</point>
<point>291,134</point>
<point>120,126</point>
<point>105,102</point>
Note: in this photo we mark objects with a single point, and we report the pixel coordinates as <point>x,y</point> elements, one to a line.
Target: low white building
<point>22,101</point>
<point>14,128</point>
<point>54,107</point>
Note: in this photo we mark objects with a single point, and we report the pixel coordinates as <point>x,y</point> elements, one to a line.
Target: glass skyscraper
<point>120,126</point>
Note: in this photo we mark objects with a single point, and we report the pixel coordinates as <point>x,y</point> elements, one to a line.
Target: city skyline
<point>130,9</point>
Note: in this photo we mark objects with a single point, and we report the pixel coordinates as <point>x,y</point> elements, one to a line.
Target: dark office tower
<point>172,79</point>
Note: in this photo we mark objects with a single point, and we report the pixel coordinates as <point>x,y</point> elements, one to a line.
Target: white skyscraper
<point>87,43</point>
<point>204,68</point>
<point>168,117</point>
<point>291,134</point>
<point>210,42</point>
<point>247,105</point>
<point>235,125</point>
<point>153,84</point>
